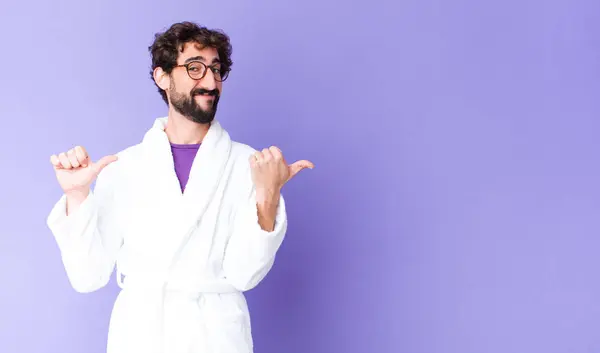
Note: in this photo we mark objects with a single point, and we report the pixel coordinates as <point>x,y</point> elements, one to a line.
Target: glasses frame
<point>224,75</point>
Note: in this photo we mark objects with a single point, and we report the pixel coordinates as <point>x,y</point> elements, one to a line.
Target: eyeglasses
<point>197,70</point>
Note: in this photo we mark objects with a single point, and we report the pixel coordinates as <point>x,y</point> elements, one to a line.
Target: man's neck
<point>183,131</point>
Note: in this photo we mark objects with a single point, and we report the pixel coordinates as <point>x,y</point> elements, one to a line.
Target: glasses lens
<point>196,70</point>
<point>222,75</point>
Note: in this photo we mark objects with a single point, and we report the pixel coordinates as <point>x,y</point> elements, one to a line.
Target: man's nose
<point>208,81</point>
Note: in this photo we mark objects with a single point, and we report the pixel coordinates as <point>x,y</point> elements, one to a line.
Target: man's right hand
<point>76,172</point>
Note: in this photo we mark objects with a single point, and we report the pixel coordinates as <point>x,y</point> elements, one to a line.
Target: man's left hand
<point>270,172</point>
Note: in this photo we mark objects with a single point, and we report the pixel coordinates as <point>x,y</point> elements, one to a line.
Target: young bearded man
<point>189,218</point>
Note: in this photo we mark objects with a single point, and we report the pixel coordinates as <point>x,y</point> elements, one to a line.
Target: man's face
<point>196,99</point>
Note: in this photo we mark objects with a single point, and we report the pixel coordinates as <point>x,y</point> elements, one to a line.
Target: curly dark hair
<point>169,44</point>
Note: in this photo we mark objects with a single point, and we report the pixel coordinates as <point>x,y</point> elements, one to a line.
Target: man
<point>189,218</point>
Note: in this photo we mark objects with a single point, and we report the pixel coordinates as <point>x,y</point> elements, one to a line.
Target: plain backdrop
<point>455,204</point>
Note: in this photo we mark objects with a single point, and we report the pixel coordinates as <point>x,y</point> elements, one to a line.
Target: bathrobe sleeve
<point>250,252</point>
<point>89,238</point>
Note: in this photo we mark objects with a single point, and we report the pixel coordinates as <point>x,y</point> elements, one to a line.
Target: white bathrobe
<point>182,259</point>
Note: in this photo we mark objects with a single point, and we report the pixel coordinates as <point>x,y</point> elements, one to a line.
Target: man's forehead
<point>195,51</point>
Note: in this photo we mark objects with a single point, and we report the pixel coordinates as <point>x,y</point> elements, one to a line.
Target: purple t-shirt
<point>183,157</point>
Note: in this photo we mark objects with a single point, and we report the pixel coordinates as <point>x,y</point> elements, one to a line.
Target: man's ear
<point>161,78</point>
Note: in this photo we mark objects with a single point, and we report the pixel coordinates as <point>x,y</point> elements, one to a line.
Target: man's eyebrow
<point>195,58</point>
<point>201,58</point>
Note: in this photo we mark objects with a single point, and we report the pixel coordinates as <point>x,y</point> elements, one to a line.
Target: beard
<point>186,104</point>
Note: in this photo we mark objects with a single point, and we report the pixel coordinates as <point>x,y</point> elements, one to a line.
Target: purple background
<point>455,207</point>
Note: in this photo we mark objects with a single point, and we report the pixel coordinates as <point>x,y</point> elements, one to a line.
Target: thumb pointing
<point>103,162</point>
<point>298,166</point>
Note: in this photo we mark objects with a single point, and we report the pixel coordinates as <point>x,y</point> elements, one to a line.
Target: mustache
<point>205,92</point>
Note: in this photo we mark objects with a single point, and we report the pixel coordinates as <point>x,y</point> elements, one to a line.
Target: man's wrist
<point>75,198</point>
<point>267,202</point>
